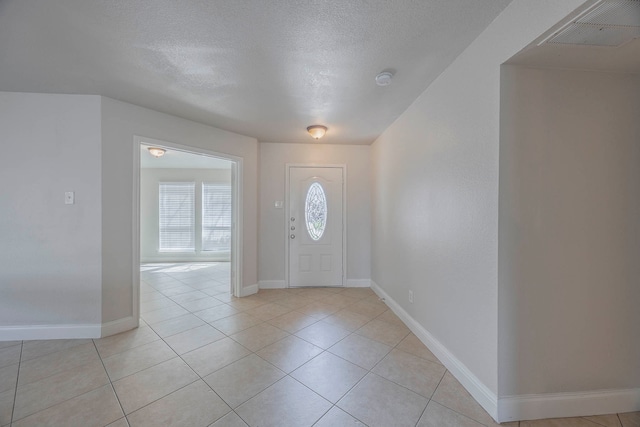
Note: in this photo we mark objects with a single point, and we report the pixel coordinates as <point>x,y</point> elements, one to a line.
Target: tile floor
<point>295,357</point>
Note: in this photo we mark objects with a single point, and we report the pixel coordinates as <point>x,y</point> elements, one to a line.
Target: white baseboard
<point>49,332</point>
<point>272,284</point>
<point>120,325</point>
<point>560,405</point>
<point>358,283</point>
<point>480,392</point>
<point>245,291</point>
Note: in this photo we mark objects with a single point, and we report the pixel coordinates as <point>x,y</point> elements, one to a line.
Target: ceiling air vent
<point>608,23</point>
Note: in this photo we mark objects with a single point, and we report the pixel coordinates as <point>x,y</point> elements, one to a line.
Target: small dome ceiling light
<point>157,152</point>
<point>384,78</point>
<point>317,131</point>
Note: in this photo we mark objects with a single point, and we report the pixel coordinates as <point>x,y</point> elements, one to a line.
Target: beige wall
<point>50,252</point>
<point>435,201</point>
<point>569,231</point>
<point>273,158</point>
<point>150,216</point>
<point>120,123</point>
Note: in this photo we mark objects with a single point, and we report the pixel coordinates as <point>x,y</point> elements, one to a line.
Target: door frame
<point>236,207</point>
<point>287,211</point>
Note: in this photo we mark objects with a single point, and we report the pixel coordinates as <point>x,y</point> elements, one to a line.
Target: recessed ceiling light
<point>384,78</point>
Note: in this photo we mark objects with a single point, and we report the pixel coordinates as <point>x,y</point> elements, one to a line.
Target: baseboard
<point>245,291</point>
<point>272,284</point>
<point>480,392</point>
<point>49,332</point>
<point>358,283</point>
<point>560,405</point>
<point>120,325</point>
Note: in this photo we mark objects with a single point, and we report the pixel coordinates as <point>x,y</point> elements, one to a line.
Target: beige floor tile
<point>451,394</point>
<point>177,290</point>
<point>156,304</point>
<point>230,420</point>
<point>9,377</point>
<point>125,341</point>
<point>54,363</point>
<point>339,300</point>
<point>318,310</point>
<point>176,325</point>
<point>559,422</point>
<point>243,379</point>
<point>383,332</point>
<point>360,350</point>
<point>235,323</point>
<point>222,295</point>
<point>33,349</point>
<point>6,406</point>
<point>270,310</point>
<point>95,408</point>
<point>259,336</point>
<point>49,391</point>
<point>144,387</point>
<point>329,376</point>
<point>289,353</point>
<point>322,334</point>
<point>246,303</point>
<point>122,422</point>
<point>294,301</point>
<point>211,315</point>
<point>411,344</point>
<point>611,420</point>
<point>150,295</point>
<point>381,403</point>
<point>412,372</point>
<point>286,403</point>
<point>6,344</point>
<point>194,405</point>
<point>630,419</point>
<point>390,317</point>
<point>192,339</point>
<point>314,293</point>
<point>272,294</point>
<point>10,355</point>
<point>437,415</point>
<point>347,320</point>
<point>293,321</point>
<point>163,314</point>
<point>336,417</point>
<point>368,309</point>
<point>189,296</point>
<point>359,293</point>
<point>214,356</point>
<point>131,361</point>
<point>201,304</point>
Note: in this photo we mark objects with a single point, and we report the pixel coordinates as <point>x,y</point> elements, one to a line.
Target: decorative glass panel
<point>315,209</point>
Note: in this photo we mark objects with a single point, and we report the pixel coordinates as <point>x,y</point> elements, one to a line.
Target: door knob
<point>293,227</point>
<point>292,219</point>
<point>293,236</point>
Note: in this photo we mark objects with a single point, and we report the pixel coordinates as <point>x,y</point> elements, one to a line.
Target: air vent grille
<point>610,23</point>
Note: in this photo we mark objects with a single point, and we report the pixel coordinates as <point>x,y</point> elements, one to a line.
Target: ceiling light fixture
<point>156,152</point>
<point>384,78</point>
<point>317,131</point>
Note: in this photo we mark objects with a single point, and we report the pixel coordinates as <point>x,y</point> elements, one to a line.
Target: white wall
<point>120,123</point>
<point>569,232</point>
<point>50,252</point>
<point>150,215</point>
<point>435,200</point>
<point>273,158</point>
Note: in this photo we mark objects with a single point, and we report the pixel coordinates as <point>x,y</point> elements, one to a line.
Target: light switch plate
<point>69,198</point>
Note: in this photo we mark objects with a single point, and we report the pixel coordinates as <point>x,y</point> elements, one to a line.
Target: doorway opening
<point>187,224</point>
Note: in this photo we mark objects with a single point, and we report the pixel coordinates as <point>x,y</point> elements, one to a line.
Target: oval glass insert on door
<point>315,210</point>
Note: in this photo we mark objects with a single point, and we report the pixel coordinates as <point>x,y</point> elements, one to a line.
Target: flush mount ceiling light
<point>317,131</point>
<point>156,152</point>
<point>384,78</point>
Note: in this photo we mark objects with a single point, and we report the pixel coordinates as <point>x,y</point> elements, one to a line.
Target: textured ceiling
<point>265,69</point>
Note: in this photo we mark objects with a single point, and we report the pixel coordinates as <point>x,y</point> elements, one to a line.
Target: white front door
<point>315,226</point>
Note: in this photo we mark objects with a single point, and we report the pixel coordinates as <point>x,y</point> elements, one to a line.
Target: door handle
<point>292,219</point>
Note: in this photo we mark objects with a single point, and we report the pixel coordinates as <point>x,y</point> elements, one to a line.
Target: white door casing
<point>315,236</point>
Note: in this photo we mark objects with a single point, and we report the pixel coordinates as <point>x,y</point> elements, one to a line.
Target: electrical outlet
<point>69,198</point>
<point>411,297</point>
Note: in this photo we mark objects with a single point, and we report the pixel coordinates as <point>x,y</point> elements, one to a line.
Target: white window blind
<point>216,217</point>
<point>177,216</point>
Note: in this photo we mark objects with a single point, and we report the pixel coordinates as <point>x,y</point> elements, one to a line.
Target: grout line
<point>15,392</point>
<point>110,382</point>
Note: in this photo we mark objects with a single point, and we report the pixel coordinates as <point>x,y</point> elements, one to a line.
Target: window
<point>315,208</point>
<point>216,217</point>
<point>177,216</point>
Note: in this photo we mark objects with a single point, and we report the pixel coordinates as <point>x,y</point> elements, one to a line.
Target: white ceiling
<point>266,69</point>
<point>176,159</point>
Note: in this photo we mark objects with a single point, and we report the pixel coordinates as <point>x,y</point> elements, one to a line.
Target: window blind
<point>216,217</point>
<point>177,216</point>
